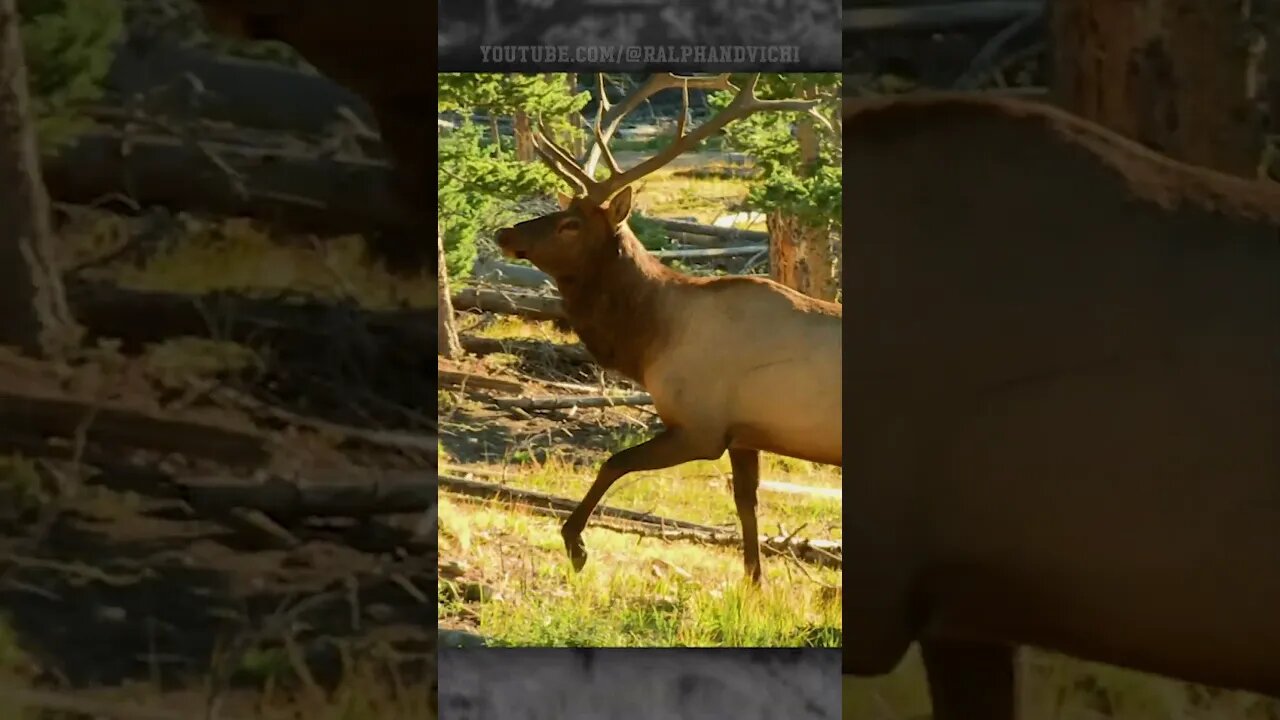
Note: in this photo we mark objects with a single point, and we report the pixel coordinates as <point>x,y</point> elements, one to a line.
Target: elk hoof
<point>577,551</point>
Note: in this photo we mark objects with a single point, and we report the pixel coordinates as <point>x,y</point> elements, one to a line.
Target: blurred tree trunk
<point>1180,76</point>
<point>524,137</point>
<point>1269,20</point>
<point>576,145</point>
<point>800,253</point>
<point>450,346</point>
<point>33,305</point>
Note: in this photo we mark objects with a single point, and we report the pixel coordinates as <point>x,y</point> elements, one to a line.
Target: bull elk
<point>737,364</point>
<point>1064,402</point>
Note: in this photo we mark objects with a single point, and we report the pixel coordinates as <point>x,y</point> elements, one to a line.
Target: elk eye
<point>569,226</point>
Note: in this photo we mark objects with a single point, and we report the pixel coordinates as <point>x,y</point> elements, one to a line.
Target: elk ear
<point>564,200</point>
<point>620,206</point>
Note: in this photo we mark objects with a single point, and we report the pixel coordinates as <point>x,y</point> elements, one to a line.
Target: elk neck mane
<point>615,304</point>
<point>1149,175</point>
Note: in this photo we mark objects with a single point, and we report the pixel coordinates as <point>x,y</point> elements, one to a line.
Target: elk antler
<point>743,104</point>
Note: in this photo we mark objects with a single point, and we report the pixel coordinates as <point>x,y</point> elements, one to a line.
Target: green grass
<point>698,491</point>
<point>1061,688</point>
<point>668,194</point>
<point>637,591</point>
<point>236,255</point>
<point>633,592</point>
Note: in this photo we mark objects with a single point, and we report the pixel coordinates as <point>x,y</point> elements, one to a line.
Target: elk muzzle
<point>509,242</point>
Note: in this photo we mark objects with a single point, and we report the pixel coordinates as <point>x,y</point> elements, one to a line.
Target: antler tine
<point>605,152</point>
<point>684,110</point>
<point>743,104</point>
<point>561,161</point>
<point>604,100</point>
<point>556,161</point>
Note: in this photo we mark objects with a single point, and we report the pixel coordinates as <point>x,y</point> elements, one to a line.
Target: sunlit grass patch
<point>237,255</point>
<point>633,592</point>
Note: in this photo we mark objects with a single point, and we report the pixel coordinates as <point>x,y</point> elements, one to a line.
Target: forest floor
<point>155,559</point>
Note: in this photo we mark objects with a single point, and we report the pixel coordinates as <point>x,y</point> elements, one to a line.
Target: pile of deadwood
<point>228,455</point>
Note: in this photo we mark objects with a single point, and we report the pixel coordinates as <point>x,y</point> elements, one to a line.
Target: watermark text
<point>616,54</point>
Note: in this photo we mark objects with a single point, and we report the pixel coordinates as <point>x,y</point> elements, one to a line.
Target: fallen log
<point>826,553</point>
<point>419,446</point>
<point>324,350</point>
<point>300,189</point>
<point>109,312</point>
<point>509,274</point>
<point>726,234</point>
<point>458,379</point>
<point>249,93</point>
<point>354,492</point>
<point>83,420</point>
<point>736,251</point>
<point>574,401</point>
<point>529,348</point>
<point>535,499</point>
<point>535,307</point>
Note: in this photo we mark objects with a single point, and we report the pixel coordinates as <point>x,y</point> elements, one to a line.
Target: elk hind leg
<point>671,447</point>
<point>745,465</point>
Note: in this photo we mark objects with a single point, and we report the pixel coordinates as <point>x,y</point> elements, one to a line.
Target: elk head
<point>582,233</point>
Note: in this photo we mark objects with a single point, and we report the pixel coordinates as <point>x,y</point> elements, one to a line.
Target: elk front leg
<point>968,680</point>
<point>667,449</point>
<point>746,485</point>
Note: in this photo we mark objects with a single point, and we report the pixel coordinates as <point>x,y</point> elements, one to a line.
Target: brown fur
<point>1064,402</point>
<point>705,348</point>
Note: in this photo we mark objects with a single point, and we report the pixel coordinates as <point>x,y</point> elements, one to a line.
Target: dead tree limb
<point>726,234</point>
<point>354,492</point>
<point>572,401</point>
<point>534,498</point>
<point>517,346</point>
<point>113,425</point>
<point>110,312</point>
<point>511,274</point>
<point>459,379</point>
<point>736,251</point>
<point>535,307</point>
<point>297,188</point>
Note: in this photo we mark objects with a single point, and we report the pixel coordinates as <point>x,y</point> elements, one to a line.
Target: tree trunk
<point>524,137</point>
<point>800,256</point>
<point>575,145</point>
<point>450,347</point>
<point>33,307</point>
<point>1180,76</point>
<point>497,136</point>
<point>1270,19</point>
